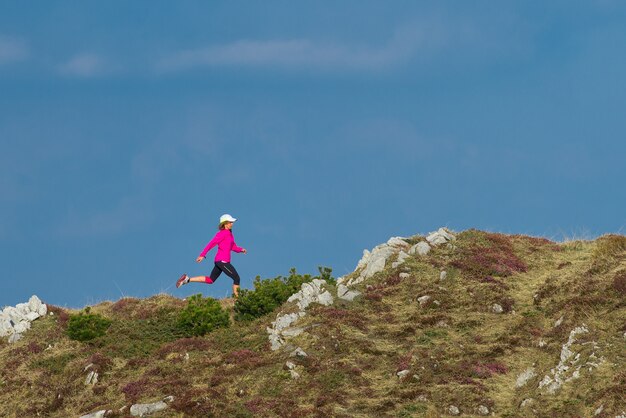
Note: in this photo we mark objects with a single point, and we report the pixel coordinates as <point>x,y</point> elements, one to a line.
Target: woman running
<point>225,244</point>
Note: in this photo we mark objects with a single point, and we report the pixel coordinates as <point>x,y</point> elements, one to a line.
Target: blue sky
<point>128,128</point>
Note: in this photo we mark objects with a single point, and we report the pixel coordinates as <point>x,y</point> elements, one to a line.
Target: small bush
<point>269,294</point>
<point>201,316</point>
<point>86,326</point>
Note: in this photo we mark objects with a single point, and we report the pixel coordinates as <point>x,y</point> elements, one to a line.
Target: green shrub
<point>201,316</point>
<point>269,294</point>
<point>87,326</point>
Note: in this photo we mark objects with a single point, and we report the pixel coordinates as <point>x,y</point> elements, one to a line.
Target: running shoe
<point>184,279</point>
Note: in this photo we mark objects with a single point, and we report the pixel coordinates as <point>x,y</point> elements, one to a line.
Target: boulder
<point>402,374</point>
<point>423,299</point>
<point>483,410</point>
<point>495,308</point>
<point>421,248</point>
<point>145,409</point>
<point>453,410</point>
<point>441,236</point>
<point>397,242</point>
<point>298,352</point>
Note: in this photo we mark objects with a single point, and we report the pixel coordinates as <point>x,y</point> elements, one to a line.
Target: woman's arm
<point>216,240</point>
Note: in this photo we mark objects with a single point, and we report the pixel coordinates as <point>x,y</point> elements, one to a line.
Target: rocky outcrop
<point>309,293</point>
<point>372,262</point>
<point>571,363</point>
<point>14,321</point>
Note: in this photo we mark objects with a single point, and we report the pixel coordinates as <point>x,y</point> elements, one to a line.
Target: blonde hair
<point>221,225</point>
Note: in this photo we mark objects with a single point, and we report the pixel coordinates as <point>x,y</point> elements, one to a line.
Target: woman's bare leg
<point>236,290</point>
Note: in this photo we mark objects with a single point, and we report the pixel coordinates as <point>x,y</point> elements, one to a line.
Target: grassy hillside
<point>513,318</point>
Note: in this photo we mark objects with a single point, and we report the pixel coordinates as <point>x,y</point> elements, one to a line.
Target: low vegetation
<point>452,349</point>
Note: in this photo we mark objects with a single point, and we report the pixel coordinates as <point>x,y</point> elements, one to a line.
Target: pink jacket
<point>225,242</point>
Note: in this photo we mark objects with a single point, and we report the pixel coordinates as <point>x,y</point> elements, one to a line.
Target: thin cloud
<point>298,54</point>
<point>85,65</point>
<point>12,50</point>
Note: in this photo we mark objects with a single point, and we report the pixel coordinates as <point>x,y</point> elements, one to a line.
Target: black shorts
<point>227,268</point>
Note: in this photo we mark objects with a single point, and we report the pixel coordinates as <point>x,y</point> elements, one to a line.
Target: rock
<point>92,378</point>
<point>443,275</point>
<point>292,332</point>
<point>483,410</point>
<point>599,410</point>
<point>495,308</point>
<point>453,410</point>
<point>343,292</point>
<point>558,375</point>
<point>290,365</point>
<point>423,299</point>
<point>142,410</point>
<point>524,377</point>
<point>283,321</point>
<point>298,352</point>
<point>294,374</point>
<point>31,316</point>
<point>87,367</point>
<point>6,328</point>
<point>311,293</point>
<point>35,305</point>
<point>527,402</point>
<point>402,257</point>
<point>542,343</point>
<point>377,259</point>
<point>22,327</point>
<point>404,275</point>
<point>397,242</point>
<point>99,414</point>
<point>558,322</point>
<point>441,236</point>
<point>275,340</point>
<point>402,374</point>
<point>421,248</point>
<point>15,337</point>
<point>351,295</point>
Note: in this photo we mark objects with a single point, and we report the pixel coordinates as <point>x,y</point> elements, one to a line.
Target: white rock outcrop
<point>570,363</point>
<point>14,321</point>
<point>312,292</point>
<point>371,263</point>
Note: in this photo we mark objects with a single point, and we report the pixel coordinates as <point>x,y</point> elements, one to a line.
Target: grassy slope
<point>457,350</point>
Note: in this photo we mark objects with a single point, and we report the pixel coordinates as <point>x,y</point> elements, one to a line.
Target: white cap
<point>227,218</point>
